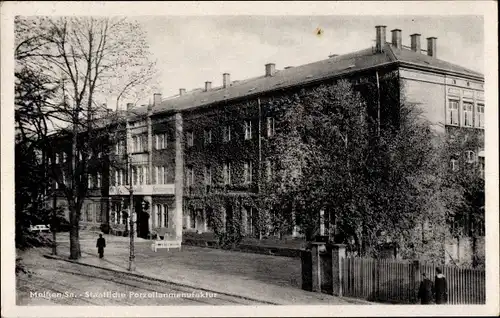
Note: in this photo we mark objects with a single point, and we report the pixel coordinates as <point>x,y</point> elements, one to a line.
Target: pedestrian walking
<point>441,288</point>
<point>101,244</point>
<point>426,290</point>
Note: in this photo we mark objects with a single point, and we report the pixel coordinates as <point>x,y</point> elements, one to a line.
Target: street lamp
<point>131,259</point>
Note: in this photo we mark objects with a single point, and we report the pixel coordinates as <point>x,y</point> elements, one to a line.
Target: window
<point>226,133</point>
<point>208,175</point>
<point>164,172</point>
<point>158,215</point>
<point>468,108</point>
<point>479,115</point>
<point>454,164</point>
<point>90,182</point>
<point>161,141</point>
<point>470,156</point>
<point>207,136</point>
<point>192,218</point>
<point>248,130</point>
<point>247,172</point>
<point>57,158</point>
<point>190,138</point>
<point>98,180</point>
<point>226,172</point>
<point>270,126</point>
<point>117,178</point>
<point>189,176</point>
<point>134,175</point>
<point>250,217</point>
<point>453,112</point>
<point>165,215</point>
<point>64,157</point>
<point>269,171</point>
<point>481,166</point>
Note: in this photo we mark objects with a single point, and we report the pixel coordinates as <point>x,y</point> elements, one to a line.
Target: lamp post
<point>133,218</point>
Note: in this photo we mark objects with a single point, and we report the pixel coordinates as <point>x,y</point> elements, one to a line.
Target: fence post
<point>316,266</point>
<point>415,277</point>
<point>338,256</point>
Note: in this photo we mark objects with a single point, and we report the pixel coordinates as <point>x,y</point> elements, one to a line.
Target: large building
<point>196,158</point>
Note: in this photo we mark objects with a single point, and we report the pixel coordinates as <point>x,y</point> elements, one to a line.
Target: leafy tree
<point>373,187</point>
<point>84,59</point>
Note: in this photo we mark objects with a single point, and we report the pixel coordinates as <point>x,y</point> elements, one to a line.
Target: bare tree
<point>87,59</point>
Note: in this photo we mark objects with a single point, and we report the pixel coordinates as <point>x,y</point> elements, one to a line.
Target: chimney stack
<point>270,69</point>
<point>396,38</point>
<point>156,99</point>
<point>226,80</point>
<point>208,86</point>
<point>415,42</point>
<point>431,46</point>
<point>380,38</point>
<point>129,106</point>
<point>182,91</point>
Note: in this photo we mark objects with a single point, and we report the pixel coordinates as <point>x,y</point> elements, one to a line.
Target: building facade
<point>197,159</point>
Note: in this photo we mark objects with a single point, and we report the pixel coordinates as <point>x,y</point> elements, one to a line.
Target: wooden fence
<point>397,281</point>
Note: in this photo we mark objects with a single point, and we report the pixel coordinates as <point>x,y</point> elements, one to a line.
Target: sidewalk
<point>270,279</point>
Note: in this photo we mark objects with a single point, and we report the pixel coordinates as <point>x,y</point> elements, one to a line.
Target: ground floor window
<point>165,215</point>
<point>192,218</point>
<point>90,212</point>
<point>98,213</point>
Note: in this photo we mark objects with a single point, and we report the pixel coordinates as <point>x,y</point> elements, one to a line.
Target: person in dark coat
<point>426,290</point>
<point>101,244</point>
<point>441,288</point>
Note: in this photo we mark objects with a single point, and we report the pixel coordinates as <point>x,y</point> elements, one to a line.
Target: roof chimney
<point>156,99</point>
<point>208,86</point>
<point>396,38</point>
<point>415,42</point>
<point>332,55</point>
<point>380,38</point>
<point>129,106</point>
<point>270,69</point>
<point>431,46</point>
<point>182,91</point>
<point>226,80</point>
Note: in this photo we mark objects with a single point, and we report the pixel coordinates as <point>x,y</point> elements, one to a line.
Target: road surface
<point>54,282</point>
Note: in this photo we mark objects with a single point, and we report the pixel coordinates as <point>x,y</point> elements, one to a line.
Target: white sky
<point>194,49</point>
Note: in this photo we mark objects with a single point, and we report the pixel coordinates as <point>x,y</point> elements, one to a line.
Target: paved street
<point>62,283</point>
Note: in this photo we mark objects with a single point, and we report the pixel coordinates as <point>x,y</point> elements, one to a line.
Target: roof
<point>308,73</point>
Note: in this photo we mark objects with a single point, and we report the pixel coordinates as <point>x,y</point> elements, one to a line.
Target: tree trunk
<point>74,240</point>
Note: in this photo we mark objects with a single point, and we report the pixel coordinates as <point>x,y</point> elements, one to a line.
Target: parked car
<point>39,228</point>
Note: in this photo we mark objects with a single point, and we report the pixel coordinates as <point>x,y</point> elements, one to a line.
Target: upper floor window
<point>161,175</point>
<point>248,129</point>
<point>56,160</point>
<point>269,170</point>
<point>452,112</point>
<point>270,126</point>
<point>90,181</point>
<point>189,176</point>
<point>208,175</point>
<point>470,156</point>
<point>226,133</point>
<point>479,115</point>
<point>190,138</point>
<point>247,172</point>
<point>64,157</point>
<point>161,141</point>
<point>207,136</point>
<point>138,143</point>
<point>99,180</point>
<point>481,166</point>
<point>467,113</point>
<point>226,173</point>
